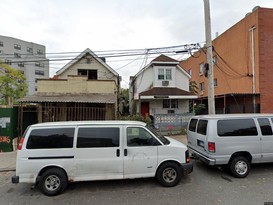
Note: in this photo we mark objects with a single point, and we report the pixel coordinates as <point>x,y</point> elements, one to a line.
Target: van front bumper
<point>202,157</point>
<point>15,179</point>
<point>187,168</point>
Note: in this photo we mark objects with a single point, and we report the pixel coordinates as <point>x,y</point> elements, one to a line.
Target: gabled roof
<point>164,60</point>
<point>82,55</point>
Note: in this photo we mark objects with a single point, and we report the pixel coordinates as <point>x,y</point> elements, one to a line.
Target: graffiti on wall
<point>4,139</point>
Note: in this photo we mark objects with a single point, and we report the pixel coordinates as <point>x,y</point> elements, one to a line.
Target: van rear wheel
<point>239,167</point>
<point>53,181</point>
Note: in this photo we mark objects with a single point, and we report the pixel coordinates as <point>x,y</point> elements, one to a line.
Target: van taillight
<point>187,155</point>
<point>211,146</point>
<point>20,143</point>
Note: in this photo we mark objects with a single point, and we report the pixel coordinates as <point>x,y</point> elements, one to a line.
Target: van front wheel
<point>168,174</point>
<point>53,181</point>
<point>239,167</point>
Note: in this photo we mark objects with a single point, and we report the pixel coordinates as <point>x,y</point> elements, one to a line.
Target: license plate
<point>200,143</point>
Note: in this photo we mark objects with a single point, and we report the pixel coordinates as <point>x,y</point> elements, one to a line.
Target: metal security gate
<point>52,112</point>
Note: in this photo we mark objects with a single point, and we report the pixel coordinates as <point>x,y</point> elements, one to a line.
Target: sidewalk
<point>8,159</point>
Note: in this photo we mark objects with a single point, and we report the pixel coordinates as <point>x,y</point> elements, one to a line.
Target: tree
<point>12,84</point>
<point>124,102</point>
<point>193,90</point>
<point>193,87</point>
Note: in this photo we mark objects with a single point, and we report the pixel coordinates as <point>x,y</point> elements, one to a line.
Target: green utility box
<point>8,128</point>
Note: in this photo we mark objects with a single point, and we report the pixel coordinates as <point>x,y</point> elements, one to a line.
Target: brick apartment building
<point>243,66</point>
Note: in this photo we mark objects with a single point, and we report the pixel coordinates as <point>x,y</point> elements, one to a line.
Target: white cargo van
<point>236,140</point>
<point>53,154</point>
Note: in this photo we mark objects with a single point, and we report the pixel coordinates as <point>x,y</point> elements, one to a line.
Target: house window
<point>1,44</point>
<point>8,62</point>
<point>91,74</point>
<point>21,64</point>
<point>202,86</point>
<point>40,52</point>
<point>17,46</point>
<point>164,74</point>
<point>201,68</point>
<point>214,60</point>
<point>170,103</point>
<point>160,74</point>
<point>29,50</point>
<point>17,55</point>
<point>168,74</point>
<point>39,72</point>
<point>215,82</point>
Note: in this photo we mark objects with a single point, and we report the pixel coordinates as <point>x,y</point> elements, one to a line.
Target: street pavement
<point>8,159</point>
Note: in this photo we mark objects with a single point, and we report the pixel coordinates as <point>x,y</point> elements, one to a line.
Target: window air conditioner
<point>165,83</point>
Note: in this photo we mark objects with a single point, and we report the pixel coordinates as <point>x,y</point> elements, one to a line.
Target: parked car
<point>53,154</point>
<point>236,140</point>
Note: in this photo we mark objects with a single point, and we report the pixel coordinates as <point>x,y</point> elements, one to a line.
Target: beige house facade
<point>84,89</point>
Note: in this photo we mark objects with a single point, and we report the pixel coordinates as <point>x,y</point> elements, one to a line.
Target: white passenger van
<point>236,140</point>
<point>53,154</point>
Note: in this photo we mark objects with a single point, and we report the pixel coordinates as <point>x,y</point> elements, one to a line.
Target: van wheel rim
<point>241,167</point>
<point>52,183</point>
<point>169,175</point>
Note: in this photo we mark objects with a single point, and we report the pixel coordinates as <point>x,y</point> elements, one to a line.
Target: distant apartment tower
<point>27,57</point>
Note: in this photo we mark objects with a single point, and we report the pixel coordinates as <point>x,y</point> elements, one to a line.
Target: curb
<point>8,170</point>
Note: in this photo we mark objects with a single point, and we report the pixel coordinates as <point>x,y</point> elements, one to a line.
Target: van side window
<point>98,137</point>
<point>265,126</point>
<point>192,125</point>
<point>202,127</point>
<point>51,138</point>
<point>236,127</point>
<point>140,137</point>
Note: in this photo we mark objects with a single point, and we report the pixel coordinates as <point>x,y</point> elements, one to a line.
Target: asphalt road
<point>205,185</point>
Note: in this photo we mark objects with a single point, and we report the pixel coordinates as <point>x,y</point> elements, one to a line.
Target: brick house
<point>243,59</point>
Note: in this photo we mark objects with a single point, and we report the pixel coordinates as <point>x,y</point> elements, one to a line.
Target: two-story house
<point>84,89</point>
<point>161,87</point>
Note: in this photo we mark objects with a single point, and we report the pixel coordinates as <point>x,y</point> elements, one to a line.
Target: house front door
<point>145,107</point>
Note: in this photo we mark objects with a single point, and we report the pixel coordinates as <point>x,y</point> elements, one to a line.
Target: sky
<point>105,25</point>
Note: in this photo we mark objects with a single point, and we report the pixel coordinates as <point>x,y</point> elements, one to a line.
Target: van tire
<point>53,181</point>
<point>239,167</point>
<point>169,174</point>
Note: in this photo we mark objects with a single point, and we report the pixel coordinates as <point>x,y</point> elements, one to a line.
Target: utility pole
<point>253,66</point>
<point>211,102</point>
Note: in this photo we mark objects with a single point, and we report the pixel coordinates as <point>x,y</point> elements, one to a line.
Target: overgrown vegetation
<point>137,117</point>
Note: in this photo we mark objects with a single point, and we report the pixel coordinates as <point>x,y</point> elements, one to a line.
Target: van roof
<point>223,116</point>
<point>97,122</point>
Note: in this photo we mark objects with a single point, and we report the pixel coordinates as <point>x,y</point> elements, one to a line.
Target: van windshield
<point>163,139</point>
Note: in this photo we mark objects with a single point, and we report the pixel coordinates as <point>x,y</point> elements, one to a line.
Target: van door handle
<point>125,152</point>
<point>118,153</point>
